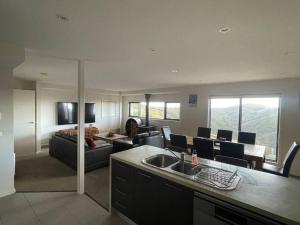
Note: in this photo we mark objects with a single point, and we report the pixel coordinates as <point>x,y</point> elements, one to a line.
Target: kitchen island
<point>269,196</point>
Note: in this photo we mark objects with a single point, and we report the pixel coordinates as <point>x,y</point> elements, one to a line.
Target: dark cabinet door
<point>122,188</point>
<point>176,204</point>
<point>145,200</point>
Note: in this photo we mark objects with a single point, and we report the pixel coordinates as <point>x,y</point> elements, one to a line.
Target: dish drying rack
<point>218,178</point>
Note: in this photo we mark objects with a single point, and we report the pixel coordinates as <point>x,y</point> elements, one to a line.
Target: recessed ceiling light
<point>174,71</point>
<point>224,30</point>
<point>44,74</point>
<point>62,18</point>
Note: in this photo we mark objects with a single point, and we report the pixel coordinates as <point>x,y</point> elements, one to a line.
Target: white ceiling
<point>135,44</point>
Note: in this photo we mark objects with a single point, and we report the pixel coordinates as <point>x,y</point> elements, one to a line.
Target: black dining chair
<point>204,132</point>
<point>178,143</point>
<point>247,138</point>
<point>204,147</point>
<point>166,131</point>
<point>227,134</point>
<point>230,149</point>
<point>287,163</point>
<point>232,161</point>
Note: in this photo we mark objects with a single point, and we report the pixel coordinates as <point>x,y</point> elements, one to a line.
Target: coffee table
<point>103,136</point>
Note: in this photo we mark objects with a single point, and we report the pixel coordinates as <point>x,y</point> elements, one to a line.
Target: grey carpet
<point>47,174</point>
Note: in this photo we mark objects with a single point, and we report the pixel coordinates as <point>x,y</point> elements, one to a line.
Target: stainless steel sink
<point>186,168</point>
<point>160,160</point>
<point>209,175</point>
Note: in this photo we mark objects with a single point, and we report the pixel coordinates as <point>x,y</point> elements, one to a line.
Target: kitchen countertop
<point>266,194</point>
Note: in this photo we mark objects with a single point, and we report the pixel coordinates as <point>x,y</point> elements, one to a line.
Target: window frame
<point>129,108</point>
<point>165,110</point>
<point>275,95</point>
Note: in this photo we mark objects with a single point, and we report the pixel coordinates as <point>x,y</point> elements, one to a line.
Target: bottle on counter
<point>195,157</point>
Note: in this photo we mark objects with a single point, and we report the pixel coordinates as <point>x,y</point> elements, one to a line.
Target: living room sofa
<point>152,138</point>
<point>64,148</point>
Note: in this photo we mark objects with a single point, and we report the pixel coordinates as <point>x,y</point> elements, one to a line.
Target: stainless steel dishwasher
<point>212,211</point>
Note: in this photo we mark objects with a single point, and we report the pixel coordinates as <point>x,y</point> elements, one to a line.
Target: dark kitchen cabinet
<point>122,188</point>
<point>148,199</point>
<point>176,203</point>
<point>145,198</point>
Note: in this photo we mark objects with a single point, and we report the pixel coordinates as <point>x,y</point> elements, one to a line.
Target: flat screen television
<point>67,113</point>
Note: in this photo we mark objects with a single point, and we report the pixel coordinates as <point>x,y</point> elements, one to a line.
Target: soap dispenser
<point>194,157</point>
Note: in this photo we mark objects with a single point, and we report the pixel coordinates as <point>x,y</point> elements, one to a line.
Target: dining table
<point>252,153</point>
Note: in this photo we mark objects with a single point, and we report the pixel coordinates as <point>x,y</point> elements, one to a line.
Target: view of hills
<point>258,119</point>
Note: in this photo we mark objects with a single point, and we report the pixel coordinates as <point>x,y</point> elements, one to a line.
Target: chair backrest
<point>204,132</point>
<point>230,149</point>
<point>178,141</point>
<point>166,131</point>
<point>232,161</point>
<point>247,138</point>
<point>204,147</point>
<point>289,158</point>
<point>227,134</point>
<point>154,139</point>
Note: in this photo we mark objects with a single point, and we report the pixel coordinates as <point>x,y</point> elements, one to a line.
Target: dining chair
<point>230,149</point>
<point>166,131</point>
<point>178,143</point>
<point>247,138</point>
<point>204,147</point>
<point>204,132</point>
<point>232,161</point>
<point>287,163</point>
<point>227,134</point>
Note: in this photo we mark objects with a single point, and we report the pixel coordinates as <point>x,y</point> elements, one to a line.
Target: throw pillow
<point>91,143</point>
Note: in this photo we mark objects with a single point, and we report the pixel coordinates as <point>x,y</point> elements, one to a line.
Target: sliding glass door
<point>259,115</point>
<point>224,115</point>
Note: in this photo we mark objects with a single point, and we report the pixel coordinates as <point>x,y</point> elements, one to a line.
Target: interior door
<point>24,123</point>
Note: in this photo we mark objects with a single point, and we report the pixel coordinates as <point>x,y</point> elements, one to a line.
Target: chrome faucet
<point>182,155</point>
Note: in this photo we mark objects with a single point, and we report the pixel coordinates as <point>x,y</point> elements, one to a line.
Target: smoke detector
<point>224,30</point>
<point>62,17</point>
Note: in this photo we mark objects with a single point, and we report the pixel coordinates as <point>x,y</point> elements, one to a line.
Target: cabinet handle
<point>120,192</point>
<point>121,179</point>
<point>173,187</point>
<point>144,175</point>
<point>120,165</point>
<point>120,205</point>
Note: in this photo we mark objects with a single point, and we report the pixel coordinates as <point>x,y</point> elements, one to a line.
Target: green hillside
<point>259,119</point>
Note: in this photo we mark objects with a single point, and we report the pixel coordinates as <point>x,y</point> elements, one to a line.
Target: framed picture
<point>193,100</point>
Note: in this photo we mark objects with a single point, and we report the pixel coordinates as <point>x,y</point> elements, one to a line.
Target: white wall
<point>10,57</point>
<point>192,117</point>
<point>49,95</point>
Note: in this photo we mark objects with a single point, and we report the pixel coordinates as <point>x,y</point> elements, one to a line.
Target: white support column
<point>80,136</point>
<point>38,119</point>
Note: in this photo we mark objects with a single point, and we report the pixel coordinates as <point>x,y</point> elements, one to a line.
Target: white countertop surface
<point>269,195</point>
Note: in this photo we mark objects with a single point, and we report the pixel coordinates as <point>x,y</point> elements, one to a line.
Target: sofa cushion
<point>91,143</point>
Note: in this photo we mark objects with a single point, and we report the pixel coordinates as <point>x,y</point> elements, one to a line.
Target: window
<point>224,114</point>
<point>172,111</point>
<point>260,116</point>
<point>134,109</point>
<point>250,114</point>
<point>157,110</point>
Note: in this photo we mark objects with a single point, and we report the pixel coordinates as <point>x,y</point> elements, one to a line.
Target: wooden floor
<point>54,208</point>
